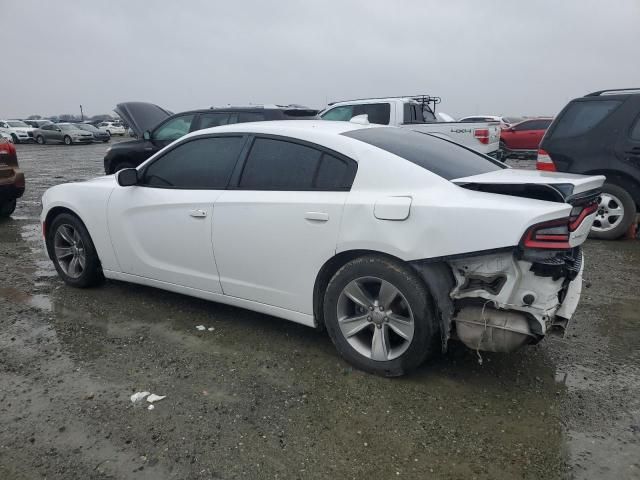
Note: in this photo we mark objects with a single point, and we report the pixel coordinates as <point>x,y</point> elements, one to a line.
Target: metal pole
<point>81,114</point>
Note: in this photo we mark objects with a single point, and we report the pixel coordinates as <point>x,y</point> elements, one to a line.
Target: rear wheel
<point>73,252</point>
<point>616,212</point>
<point>67,140</point>
<point>41,140</point>
<point>379,316</point>
<point>7,208</point>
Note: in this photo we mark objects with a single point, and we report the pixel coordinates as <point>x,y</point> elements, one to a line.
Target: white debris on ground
<point>136,397</point>
<point>155,398</point>
<point>202,328</point>
<point>151,407</point>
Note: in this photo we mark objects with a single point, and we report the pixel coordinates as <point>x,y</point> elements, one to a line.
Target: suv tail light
<point>482,134</point>
<point>555,234</point>
<point>544,162</point>
<point>6,147</point>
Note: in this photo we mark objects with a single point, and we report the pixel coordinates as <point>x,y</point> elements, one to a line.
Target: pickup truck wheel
<point>73,252</point>
<point>379,316</point>
<point>67,140</point>
<point>40,139</point>
<point>7,208</point>
<point>616,212</point>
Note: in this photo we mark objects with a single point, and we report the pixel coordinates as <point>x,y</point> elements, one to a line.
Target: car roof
<point>300,129</point>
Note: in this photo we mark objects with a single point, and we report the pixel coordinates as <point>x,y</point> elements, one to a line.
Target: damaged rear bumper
<point>503,302</point>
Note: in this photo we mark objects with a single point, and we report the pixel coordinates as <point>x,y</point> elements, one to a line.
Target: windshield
<point>87,127</point>
<point>67,126</point>
<point>17,123</point>
<point>442,157</point>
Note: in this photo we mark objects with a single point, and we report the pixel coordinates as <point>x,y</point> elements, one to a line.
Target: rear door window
<point>208,120</point>
<point>174,128</point>
<point>437,155</point>
<point>244,117</point>
<point>379,113</point>
<point>200,164</point>
<point>580,117</point>
<point>275,164</point>
<point>279,165</point>
<point>341,114</point>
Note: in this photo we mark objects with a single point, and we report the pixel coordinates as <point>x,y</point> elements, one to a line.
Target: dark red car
<point>11,178</point>
<point>524,138</point>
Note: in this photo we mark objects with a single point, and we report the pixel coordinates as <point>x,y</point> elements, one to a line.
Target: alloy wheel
<point>375,318</point>
<point>610,213</point>
<point>69,251</point>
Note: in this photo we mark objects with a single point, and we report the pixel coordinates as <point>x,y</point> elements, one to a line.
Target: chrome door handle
<point>198,213</point>
<point>317,216</point>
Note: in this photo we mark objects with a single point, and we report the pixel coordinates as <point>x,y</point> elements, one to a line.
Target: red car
<point>524,138</point>
<point>11,178</point>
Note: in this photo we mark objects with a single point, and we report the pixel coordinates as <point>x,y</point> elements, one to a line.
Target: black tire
<point>412,288</point>
<point>67,140</point>
<point>106,140</point>
<point>628,217</point>
<point>122,165</point>
<point>92,272</point>
<point>40,140</point>
<point>109,132</point>
<point>15,138</point>
<point>7,208</point>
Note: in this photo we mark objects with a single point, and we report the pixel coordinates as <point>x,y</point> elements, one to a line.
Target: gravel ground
<point>258,397</point>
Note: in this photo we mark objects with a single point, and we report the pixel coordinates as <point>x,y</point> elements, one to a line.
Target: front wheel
<point>616,212</point>
<point>40,139</point>
<point>73,253</point>
<point>380,316</point>
<point>67,140</point>
<point>7,208</point>
<point>15,138</point>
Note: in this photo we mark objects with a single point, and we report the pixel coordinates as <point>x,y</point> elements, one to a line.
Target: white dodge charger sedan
<point>394,241</point>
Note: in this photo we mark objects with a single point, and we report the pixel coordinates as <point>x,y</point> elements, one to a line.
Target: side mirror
<point>58,129</point>
<point>146,135</point>
<point>127,177</point>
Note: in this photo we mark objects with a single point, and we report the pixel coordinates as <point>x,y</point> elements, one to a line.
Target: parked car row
<point>46,131</point>
<point>156,127</point>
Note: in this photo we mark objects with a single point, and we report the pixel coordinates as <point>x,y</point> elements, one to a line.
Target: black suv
<point>600,134</point>
<point>155,127</point>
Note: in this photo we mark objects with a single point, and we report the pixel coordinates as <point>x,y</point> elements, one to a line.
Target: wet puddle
<point>41,302</point>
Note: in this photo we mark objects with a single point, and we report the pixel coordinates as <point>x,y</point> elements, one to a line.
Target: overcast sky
<point>480,56</point>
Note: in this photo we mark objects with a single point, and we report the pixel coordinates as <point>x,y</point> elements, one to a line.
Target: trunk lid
<point>559,187</point>
<point>141,116</point>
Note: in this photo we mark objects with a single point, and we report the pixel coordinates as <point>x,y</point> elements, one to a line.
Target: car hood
<point>141,116</point>
<point>565,184</point>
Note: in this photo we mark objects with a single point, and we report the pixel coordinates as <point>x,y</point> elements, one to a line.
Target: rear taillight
<point>552,235</point>
<point>482,134</point>
<point>555,234</point>
<point>544,162</point>
<point>6,147</point>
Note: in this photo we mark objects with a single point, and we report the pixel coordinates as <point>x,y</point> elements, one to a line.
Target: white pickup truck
<point>416,113</point>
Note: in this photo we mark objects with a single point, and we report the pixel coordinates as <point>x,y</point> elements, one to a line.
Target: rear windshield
<point>580,117</point>
<point>442,157</point>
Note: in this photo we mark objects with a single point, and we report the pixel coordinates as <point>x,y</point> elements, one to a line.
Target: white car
<point>20,132</point>
<point>504,121</point>
<point>393,240</point>
<point>112,128</point>
<point>418,113</point>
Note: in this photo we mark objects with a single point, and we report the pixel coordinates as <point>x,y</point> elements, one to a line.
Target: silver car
<point>66,133</point>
